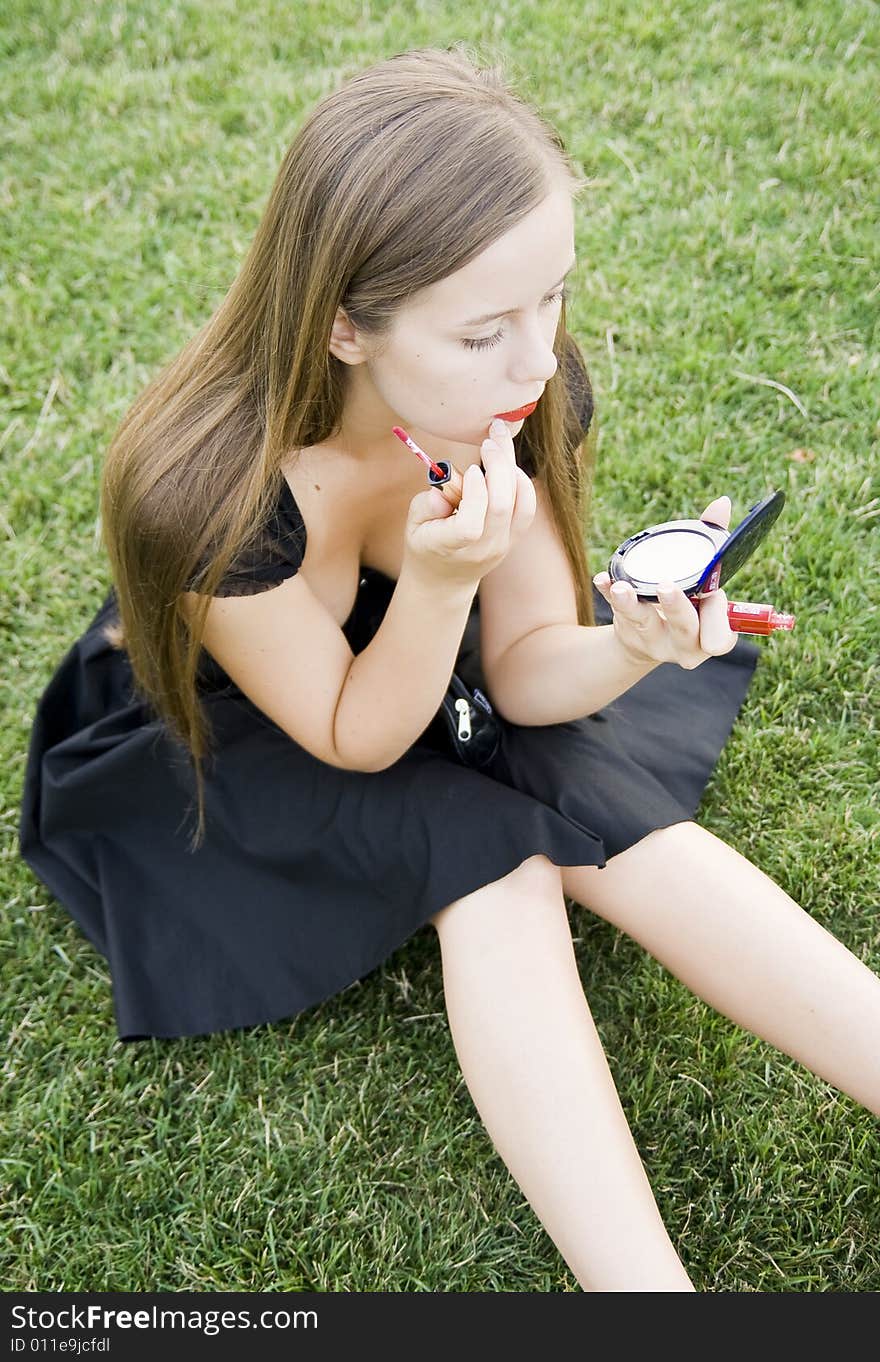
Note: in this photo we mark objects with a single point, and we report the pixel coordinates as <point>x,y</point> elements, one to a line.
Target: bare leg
<point>741,944</point>
<point>537,1073</point>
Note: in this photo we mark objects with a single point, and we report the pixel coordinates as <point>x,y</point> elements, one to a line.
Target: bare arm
<point>542,667</point>
<point>290,657</point>
<point>563,672</point>
<point>394,687</point>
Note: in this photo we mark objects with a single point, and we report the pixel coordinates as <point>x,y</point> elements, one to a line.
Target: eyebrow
<point>492,316</point>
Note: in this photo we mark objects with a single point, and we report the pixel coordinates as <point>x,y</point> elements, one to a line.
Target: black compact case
<point>696,555</point>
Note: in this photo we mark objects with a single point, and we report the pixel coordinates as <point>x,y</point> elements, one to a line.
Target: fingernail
<point>618,589</point>
<point>497,426</point>
<point>665,590</point>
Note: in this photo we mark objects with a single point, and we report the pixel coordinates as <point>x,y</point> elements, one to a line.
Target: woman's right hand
<point>458,547</point>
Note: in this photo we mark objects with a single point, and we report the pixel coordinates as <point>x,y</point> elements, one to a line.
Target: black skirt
<point>311,876</point>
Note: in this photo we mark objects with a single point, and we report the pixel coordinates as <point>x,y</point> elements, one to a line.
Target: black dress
<point>311,876</point>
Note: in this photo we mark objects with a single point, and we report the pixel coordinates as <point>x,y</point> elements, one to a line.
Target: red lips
<point>519,414</point>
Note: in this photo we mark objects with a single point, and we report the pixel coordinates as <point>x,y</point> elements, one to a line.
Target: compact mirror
<point>696,555</point>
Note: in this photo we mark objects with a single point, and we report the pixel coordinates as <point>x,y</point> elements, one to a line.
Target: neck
<point>365,434</point>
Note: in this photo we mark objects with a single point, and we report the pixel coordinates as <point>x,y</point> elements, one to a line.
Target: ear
<point>344,342</point>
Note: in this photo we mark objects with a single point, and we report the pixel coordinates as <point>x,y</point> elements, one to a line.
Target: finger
<point>501,453</point>
<point>680,615</point>
<point>602,583</point>
<point>716,635</point>
<point>718,512</point>
<point>526,502</point>
<point>623,600</point>
<point>427,506</point>
<point>500,432</point>
<point>452,489</point>
<point>472,510</point>
<point>500,478</point>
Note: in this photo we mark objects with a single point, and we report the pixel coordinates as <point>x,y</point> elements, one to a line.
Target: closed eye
<point>486,342</point>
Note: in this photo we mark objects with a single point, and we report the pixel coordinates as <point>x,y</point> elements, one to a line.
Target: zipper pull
<point>464,720</point>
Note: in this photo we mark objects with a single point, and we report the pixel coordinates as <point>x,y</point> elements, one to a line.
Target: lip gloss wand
<point>441,474</point>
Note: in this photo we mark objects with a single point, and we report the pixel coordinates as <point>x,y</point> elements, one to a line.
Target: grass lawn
<point>726,301</point>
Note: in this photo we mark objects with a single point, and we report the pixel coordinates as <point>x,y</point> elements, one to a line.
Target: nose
<point>534,361</point>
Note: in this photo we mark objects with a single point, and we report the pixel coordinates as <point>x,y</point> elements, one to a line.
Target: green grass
<point>728,239</point>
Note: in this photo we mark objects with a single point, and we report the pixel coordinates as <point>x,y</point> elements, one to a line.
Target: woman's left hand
<point>672,631</point>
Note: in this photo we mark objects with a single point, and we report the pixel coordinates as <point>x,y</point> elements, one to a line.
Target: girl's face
<point>476,344</point>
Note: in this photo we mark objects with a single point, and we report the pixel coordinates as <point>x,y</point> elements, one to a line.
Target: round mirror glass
<point>672,553</point>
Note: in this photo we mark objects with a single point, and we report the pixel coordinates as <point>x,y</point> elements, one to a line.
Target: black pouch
<point>471,725</point>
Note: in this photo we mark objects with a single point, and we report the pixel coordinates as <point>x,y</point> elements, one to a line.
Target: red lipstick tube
<point>745,617</point>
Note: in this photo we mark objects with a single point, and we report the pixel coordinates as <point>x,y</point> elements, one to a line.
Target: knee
<point>671,842</point>
<point>635,875</point>
<point>537,873</point>
<point>535,883</point>
<point>675,837</point>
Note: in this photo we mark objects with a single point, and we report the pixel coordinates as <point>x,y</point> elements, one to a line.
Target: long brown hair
<point>354,220</point>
